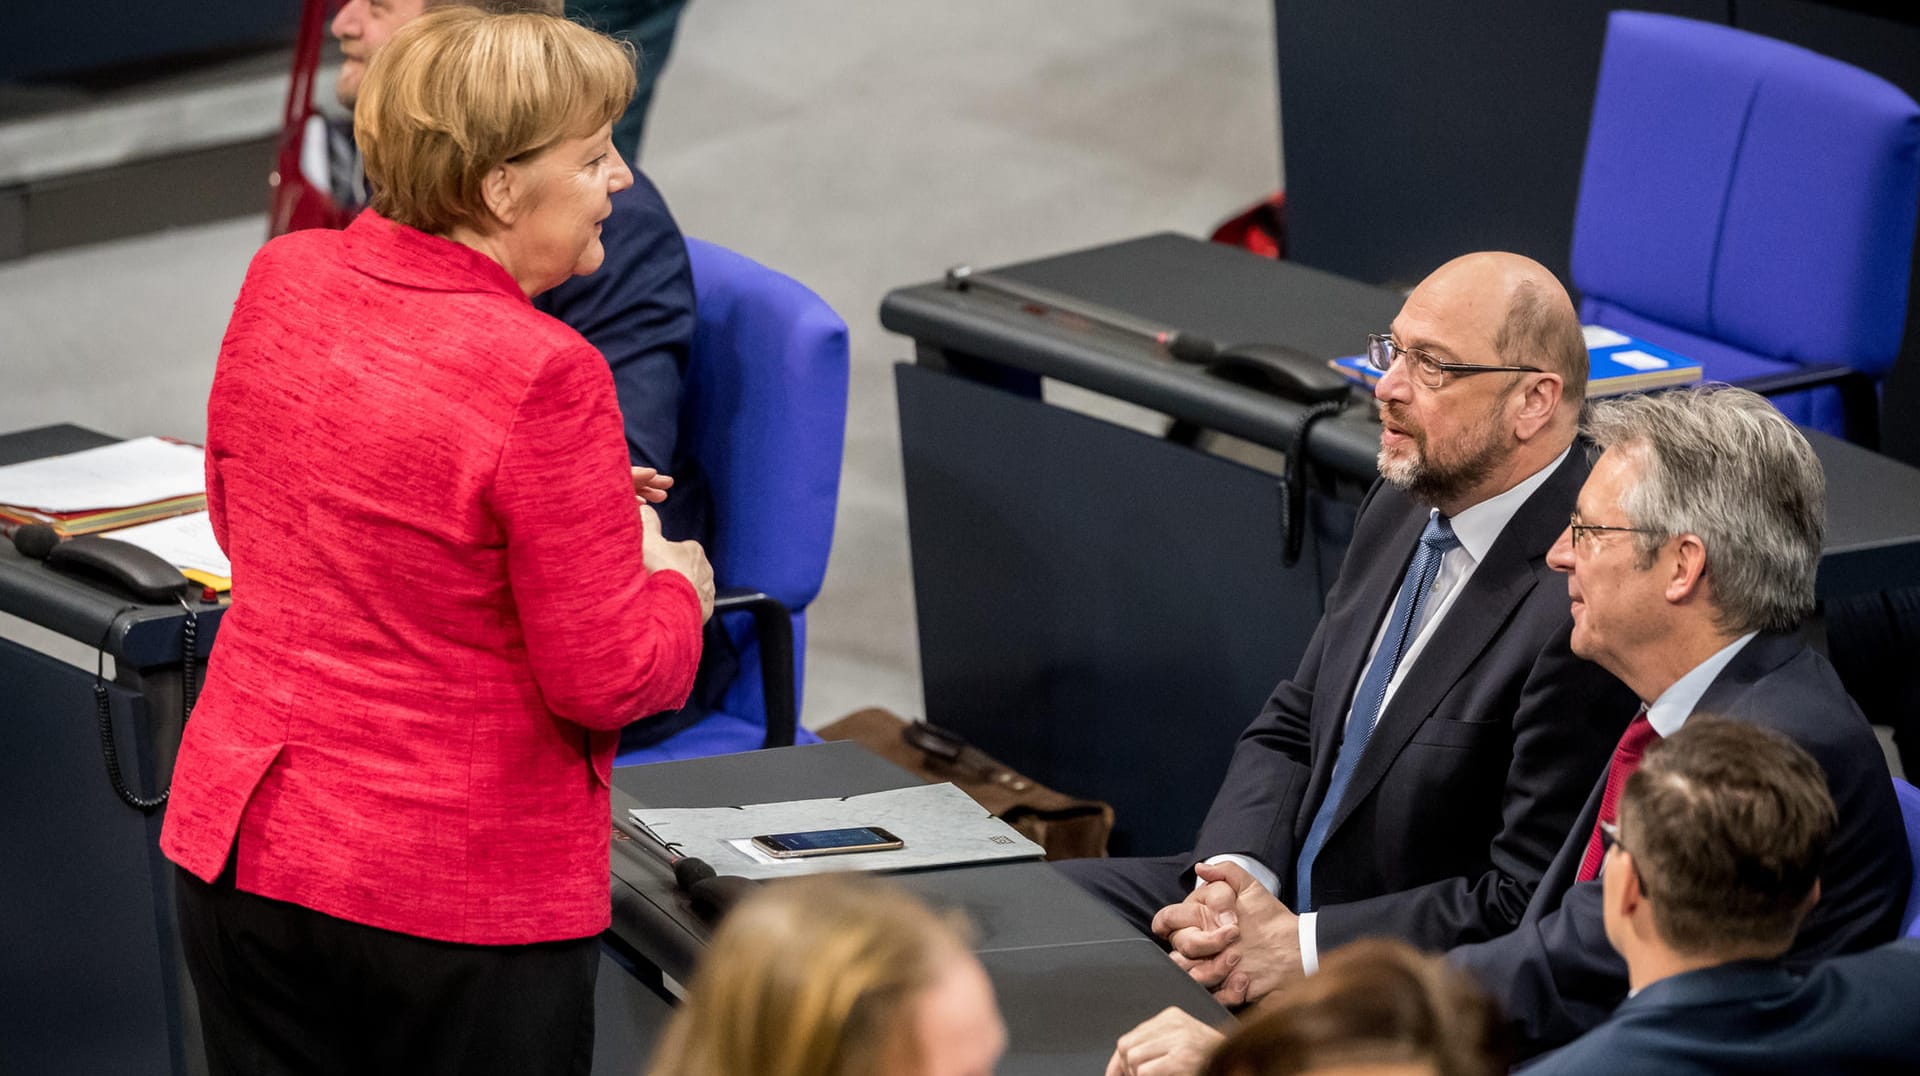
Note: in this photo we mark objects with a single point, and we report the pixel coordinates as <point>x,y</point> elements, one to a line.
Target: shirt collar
<point>1479,526</point>
<point>1676,703</point>
<point>409,257</point>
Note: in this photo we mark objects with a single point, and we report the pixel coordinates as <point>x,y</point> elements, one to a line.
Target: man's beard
<point>1435,481</point>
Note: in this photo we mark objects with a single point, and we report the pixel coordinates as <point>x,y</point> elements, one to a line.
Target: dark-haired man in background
<point>1715,862</point>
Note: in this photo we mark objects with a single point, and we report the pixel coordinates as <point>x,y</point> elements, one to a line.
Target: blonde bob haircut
<point>459,92</point>
<point>815,976</point>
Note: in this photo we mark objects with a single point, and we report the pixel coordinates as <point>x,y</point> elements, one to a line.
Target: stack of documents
<point>938,826</point>
<point>1620,363</point>
<point>102,488</point>
<point>147,491</point>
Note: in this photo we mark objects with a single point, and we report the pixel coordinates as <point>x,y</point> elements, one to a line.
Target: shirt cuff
<point>1309,942</point>
<point>1260,871</point>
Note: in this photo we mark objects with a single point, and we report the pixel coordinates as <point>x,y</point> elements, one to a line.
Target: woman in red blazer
<point>391,805</point>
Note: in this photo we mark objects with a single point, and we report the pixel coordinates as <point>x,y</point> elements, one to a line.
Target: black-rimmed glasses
<point>1426,370</point>
<point>1581,530</point>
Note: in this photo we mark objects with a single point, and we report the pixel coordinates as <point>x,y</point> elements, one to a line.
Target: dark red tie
<point>1626,759</point>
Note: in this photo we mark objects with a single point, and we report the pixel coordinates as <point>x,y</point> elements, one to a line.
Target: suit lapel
<point>1565,867</point>
<point>1506,576</point>
<point>1489,599</point>
<point>1355,624</point>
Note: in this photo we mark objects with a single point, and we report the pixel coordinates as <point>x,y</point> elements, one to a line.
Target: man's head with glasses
<point>1482,378</point>
<point>1702,520</point>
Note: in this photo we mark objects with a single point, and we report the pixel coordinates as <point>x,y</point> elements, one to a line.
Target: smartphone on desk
<point>827,842</point>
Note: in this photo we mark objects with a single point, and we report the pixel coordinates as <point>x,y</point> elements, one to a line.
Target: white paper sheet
<point>183,541</point>
<point>1640,360</point>
<point>1599,336</point>
<point>939,826</point>
<point>118,475</point>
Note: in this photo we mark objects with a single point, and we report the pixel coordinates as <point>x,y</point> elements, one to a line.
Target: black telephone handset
<point>1285,372</point>
<point>1290,374</point>
<point>120,564</point>
<point>143,576</point>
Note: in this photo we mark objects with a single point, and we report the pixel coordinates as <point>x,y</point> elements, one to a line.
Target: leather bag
<point>1066,826</point>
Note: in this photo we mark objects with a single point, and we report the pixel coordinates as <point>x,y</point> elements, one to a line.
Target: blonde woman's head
<point>457,93</point>
<point>835,975</point>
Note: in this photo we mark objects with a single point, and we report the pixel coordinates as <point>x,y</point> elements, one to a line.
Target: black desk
<point>87,899</point>
<point>1070,976</point>
<point>1873,520</point>
<point>1106,610</point>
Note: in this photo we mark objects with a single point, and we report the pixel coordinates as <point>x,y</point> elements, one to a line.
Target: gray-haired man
<point>1690,563</point>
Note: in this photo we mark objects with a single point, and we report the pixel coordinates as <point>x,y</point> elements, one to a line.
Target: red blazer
<point>440,617</point>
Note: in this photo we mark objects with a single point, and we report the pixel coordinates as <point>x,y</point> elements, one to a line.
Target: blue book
<point>1617,363</point>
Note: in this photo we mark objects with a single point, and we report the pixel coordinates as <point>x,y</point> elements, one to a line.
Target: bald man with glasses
<point>1415,775</point>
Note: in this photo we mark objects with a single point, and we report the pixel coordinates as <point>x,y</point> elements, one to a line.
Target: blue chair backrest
<point>1909,797</point>
<point>765,416</point>
<point>1747,191</point>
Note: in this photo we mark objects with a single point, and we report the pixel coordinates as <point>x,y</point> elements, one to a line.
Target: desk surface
<point>1873,520</point>
<point>1070,976</point>
<point>1873,502</point>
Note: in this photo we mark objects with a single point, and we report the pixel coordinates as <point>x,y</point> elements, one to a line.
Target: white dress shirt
<point>1477,527</point>
<point>1670,711</point>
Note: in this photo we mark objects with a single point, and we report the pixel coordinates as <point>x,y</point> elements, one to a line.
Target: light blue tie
<point>1435,541</point>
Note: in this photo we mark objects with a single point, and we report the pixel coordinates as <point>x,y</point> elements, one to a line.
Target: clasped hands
<point>1232,936</point>
<point>656,552</point>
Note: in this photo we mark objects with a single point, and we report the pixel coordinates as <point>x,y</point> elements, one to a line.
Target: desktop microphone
<point>713,893</point>
<point>35,540</point>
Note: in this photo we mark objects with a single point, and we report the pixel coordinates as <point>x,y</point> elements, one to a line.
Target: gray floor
<point>853,145</point>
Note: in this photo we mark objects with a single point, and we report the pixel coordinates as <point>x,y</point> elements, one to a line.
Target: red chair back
<point>297,202</point>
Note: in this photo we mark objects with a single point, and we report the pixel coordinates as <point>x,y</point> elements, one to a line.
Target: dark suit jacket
<point>1557,976</point>
<point>637,309</point>
<point>1851,1015</point>
<point>1477,765</point>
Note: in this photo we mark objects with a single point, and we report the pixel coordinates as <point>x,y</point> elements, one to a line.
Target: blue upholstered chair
<point>765,418</point>
<point>1750,204</point>
<point>1909,797</point>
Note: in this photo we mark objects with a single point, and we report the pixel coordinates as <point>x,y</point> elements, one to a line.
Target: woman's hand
<point>686,557</point>
<point>650,485</point>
